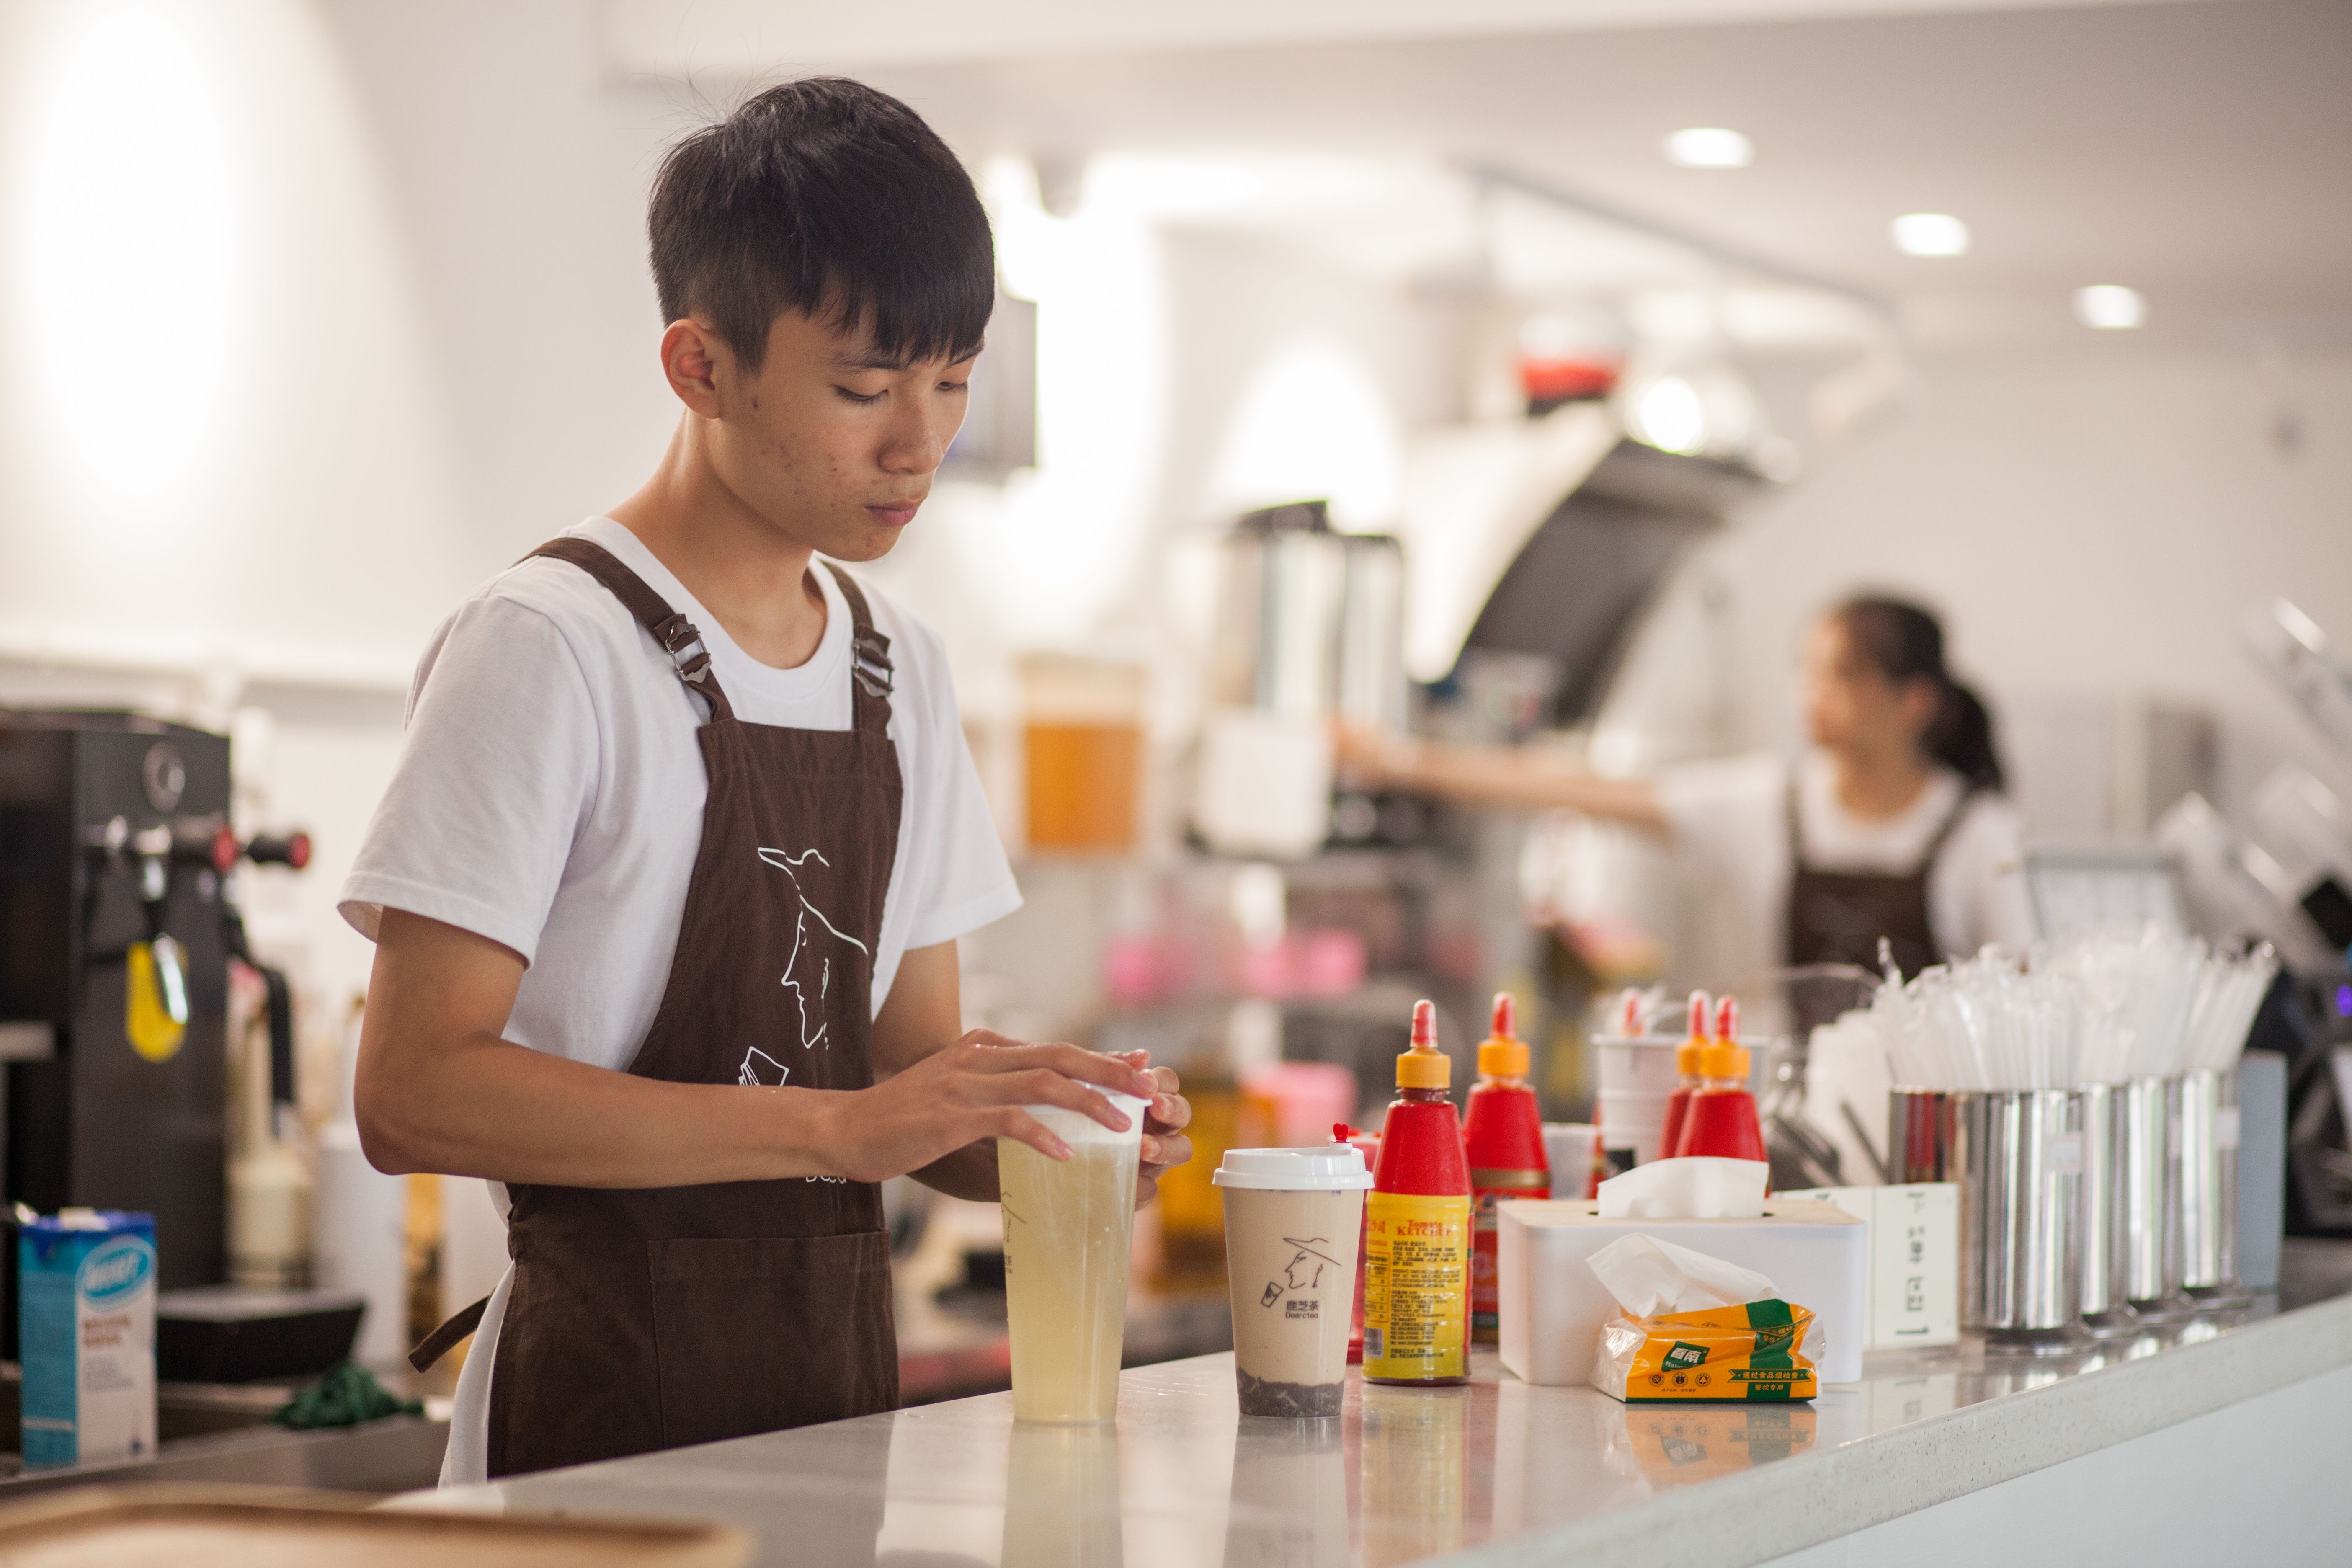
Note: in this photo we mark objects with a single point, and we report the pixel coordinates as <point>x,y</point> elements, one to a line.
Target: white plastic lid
<point>1332,1168</point>
<point>1075,1127</point>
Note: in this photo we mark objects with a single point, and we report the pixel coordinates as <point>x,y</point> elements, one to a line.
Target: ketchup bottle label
<point>1416,1278</point>
<point>1488,1188</point>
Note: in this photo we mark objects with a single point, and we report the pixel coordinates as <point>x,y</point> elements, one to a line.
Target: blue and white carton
<point>86,1317</point>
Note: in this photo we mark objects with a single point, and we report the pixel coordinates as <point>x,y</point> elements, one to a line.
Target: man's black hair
<point>829,198</point>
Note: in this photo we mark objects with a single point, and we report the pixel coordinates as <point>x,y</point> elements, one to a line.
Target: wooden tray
<point>242,1527</point>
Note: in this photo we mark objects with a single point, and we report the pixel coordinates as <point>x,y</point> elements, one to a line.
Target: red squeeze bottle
<point>1417,1226</point>
<point>1722,1118</point>
<point>1502,1136</point>
<point>1670,1141</point>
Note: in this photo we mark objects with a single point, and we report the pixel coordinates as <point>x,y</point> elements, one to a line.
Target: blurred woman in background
<point>1891,828</point>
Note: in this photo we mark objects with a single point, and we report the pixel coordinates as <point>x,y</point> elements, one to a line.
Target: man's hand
<point>1165,1147</point>
<point>974,1090</point>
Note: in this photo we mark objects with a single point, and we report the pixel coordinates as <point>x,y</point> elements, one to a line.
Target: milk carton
<point>87,1325</point>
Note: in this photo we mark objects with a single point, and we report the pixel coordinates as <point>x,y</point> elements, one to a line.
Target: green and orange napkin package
<point>1695,1327</point>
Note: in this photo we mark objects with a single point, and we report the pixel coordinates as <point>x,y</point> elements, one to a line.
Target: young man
<point>666,887</point>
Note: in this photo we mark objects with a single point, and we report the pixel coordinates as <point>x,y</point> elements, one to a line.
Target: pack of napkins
<point>1696,1327</point>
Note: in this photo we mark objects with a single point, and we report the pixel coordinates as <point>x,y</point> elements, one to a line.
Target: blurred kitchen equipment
<point>1310,627</point>
<point>111,821</point>
<point>1083,735</point>
<point>2292,648</point>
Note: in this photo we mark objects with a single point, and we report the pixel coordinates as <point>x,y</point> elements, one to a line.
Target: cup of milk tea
<point>1068,1224</point>
<point>1292,1221</point>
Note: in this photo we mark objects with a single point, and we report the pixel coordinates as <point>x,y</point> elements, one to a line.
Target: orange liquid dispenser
<point>1502,1136</point>
<point>1417,1226</point>
<point>1722,1121</point>
<point>1670,1137</point>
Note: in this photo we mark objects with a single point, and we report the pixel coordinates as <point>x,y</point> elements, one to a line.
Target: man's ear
<point>693,358</point>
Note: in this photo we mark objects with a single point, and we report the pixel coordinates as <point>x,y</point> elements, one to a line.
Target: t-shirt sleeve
<point>497,772</point>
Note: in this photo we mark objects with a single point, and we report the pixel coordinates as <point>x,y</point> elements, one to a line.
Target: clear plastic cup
<point>1068,1224</point>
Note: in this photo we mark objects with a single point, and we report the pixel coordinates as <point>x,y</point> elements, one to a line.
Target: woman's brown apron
<point>1841,917</point>
<point>644,1319</point>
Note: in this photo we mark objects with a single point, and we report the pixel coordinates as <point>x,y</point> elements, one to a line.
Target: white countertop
<point>1498,1470</point>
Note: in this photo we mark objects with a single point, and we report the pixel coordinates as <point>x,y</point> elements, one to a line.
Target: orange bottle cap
<point>1686,1056</point>
<point>1503,1053</point>
<point>1723,1059</point>
<point>1424,1066</point>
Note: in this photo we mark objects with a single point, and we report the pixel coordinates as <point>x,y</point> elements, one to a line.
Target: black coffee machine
<point>114,845</point>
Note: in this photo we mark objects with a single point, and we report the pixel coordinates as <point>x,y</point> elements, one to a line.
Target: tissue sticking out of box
<point>1649,1276</point>
<point>1696,1187</point>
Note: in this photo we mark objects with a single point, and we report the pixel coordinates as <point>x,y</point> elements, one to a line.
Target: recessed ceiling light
<point>1930,234</point>
<point>1710,147</point>
<point>2110,307</point>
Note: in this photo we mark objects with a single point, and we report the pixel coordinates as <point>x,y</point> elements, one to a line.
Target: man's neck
<point>752,578</point>
<point>1876,786</point>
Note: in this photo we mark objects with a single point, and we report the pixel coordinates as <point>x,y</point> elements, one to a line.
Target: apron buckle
<point>677,635</point>
<point>871,659</point>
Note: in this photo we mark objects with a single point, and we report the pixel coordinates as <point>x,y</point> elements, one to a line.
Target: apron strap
<point>444,1340</point>
<point>869,689</point>
<point>678,636</point>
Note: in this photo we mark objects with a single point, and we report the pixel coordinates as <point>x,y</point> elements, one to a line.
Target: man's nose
<point>916,442</point>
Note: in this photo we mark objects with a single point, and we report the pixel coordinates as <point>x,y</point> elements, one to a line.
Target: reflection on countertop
<point>1405,1474</point>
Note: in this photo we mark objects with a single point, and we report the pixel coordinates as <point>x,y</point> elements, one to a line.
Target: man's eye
<point>955,386</point>
<point>859,398</point>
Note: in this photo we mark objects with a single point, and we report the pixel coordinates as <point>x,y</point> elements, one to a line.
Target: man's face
<point>831,443</point>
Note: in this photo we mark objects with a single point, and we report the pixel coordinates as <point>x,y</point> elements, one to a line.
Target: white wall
<point>2092,520</point>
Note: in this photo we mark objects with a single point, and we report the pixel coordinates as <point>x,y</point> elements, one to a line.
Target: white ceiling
<point>2202,152</point>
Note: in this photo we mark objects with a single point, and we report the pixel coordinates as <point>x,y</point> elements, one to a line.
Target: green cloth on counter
<point>346,1395</point>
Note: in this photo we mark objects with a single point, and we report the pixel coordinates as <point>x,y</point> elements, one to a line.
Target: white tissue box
<point>1915,1261</point>
<point>1553,1307</point>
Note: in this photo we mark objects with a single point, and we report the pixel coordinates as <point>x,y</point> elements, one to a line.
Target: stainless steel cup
<point>2208,1189</point>
<point>2150,1201</point>
<point>2017,1155</point>
<point>2103,1306</point>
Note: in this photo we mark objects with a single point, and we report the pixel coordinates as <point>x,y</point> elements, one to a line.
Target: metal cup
<point>2103,1306</point>
<point>2017,1155</point>
<point>2149,1199</point>
<point>2208,1189</point>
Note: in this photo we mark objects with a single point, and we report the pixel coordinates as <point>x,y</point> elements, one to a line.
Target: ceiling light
<point>1709,147</point>
<point>1930,234</point>
<point>2110,307</point>
<point>1671,415</point>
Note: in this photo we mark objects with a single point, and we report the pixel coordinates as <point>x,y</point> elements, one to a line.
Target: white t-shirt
<point>550,795</point>
<point>1729,824</point>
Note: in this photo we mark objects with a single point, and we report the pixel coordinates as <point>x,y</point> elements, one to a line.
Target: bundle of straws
<point>2095,1009</point>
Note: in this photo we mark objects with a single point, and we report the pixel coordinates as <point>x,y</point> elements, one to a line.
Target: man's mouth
<point>896,514</point>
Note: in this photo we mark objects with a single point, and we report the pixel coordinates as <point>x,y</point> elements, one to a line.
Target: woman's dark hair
<point>829,198</point>
<point>1905,642</point>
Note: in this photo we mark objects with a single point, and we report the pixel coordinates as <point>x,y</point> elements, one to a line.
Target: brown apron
<point>1841,917</point>
<point>644,1319</point>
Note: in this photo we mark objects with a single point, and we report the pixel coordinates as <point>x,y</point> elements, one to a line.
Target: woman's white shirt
<point>1729,824</point>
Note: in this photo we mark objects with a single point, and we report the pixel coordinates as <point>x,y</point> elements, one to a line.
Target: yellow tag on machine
<point>1747,1351</point>
<point>155,999</point>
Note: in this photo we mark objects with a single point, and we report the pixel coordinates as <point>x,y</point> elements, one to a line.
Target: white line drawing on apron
<point>810,952</point>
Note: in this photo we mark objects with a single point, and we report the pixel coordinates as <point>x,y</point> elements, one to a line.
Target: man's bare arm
<point>439,1090</point>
